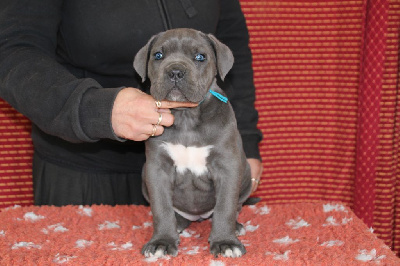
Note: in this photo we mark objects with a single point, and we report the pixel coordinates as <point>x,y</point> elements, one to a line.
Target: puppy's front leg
<point>223,238</point>
<point>165,238</point>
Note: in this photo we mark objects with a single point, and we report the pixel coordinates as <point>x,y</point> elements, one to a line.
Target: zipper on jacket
<point>164,15</point>
<point>189,8</point>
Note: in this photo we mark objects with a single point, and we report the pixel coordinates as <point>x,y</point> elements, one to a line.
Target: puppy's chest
<point>188,158</point>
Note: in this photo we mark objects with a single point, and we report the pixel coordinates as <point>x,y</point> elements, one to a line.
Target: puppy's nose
<point>176,74</point>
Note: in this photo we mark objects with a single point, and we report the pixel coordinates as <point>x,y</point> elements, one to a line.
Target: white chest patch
<point>189,158</point>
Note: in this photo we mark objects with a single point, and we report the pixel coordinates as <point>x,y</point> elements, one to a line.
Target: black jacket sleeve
<point>233,32</point>
<point>36,85</point>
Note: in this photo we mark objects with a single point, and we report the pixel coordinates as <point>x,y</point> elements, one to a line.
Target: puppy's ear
<point>224,56</point>
<point>140,62</point>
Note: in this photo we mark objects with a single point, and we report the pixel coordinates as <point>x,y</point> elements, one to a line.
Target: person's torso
<point>102,37</point>
<point>98,39</point>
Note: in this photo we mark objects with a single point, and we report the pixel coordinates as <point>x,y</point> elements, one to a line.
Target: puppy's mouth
<point>176,95</point>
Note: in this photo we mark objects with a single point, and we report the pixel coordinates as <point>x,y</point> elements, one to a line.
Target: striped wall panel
<point>386,217</point>
<point>15,158</point>
<point>306,61</point>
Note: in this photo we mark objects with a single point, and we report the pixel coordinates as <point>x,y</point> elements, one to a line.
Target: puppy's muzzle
<point>175,73</point>
<point>178,82</point>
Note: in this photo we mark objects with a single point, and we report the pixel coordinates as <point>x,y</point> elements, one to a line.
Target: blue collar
<point>217,95</point>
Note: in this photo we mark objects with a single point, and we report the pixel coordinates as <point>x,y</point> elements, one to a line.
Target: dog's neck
<point>190,118</point>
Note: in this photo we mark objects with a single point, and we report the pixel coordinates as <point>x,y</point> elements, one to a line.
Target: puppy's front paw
<point>160,247</point>
<point>240,231</point>
<point>229,248</point>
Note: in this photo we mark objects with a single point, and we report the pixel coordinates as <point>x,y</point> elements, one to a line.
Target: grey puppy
<point>197,168</point>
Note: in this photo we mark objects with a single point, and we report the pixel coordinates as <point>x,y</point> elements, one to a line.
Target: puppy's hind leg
<point>181,223</point>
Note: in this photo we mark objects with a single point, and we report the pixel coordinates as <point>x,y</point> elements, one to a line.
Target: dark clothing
<point>62,64</point>
<point>59,186</point>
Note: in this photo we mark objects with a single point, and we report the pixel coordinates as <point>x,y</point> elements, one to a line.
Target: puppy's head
<point>182,64</point>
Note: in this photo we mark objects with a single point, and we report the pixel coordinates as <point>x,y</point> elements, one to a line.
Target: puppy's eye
<point>158,55</point>
<point>200,57</point>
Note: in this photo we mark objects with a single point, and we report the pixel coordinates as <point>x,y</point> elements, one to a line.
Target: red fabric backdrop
<point>15,158</point>
<point>327,79</point>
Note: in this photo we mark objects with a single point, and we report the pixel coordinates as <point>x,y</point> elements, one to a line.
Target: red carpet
<point>291,234</point>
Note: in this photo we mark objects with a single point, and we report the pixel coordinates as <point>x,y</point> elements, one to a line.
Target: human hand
<point>135,115</point>
<point>256,171</point>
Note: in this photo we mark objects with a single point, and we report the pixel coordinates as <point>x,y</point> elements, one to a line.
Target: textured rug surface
<point>290,234</point>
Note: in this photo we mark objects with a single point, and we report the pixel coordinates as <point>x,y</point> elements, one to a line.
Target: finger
<point>163,110</point>
<point>171,105</point>
<point>160,130</point>
<point>253,187</point>
<point>255,182</point>
<point>163,119</point>
<point>153,130</point>
<point>142,137</point>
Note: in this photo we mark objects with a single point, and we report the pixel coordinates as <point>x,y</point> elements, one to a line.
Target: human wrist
<point>250,146</point>
<point>95,113</point>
